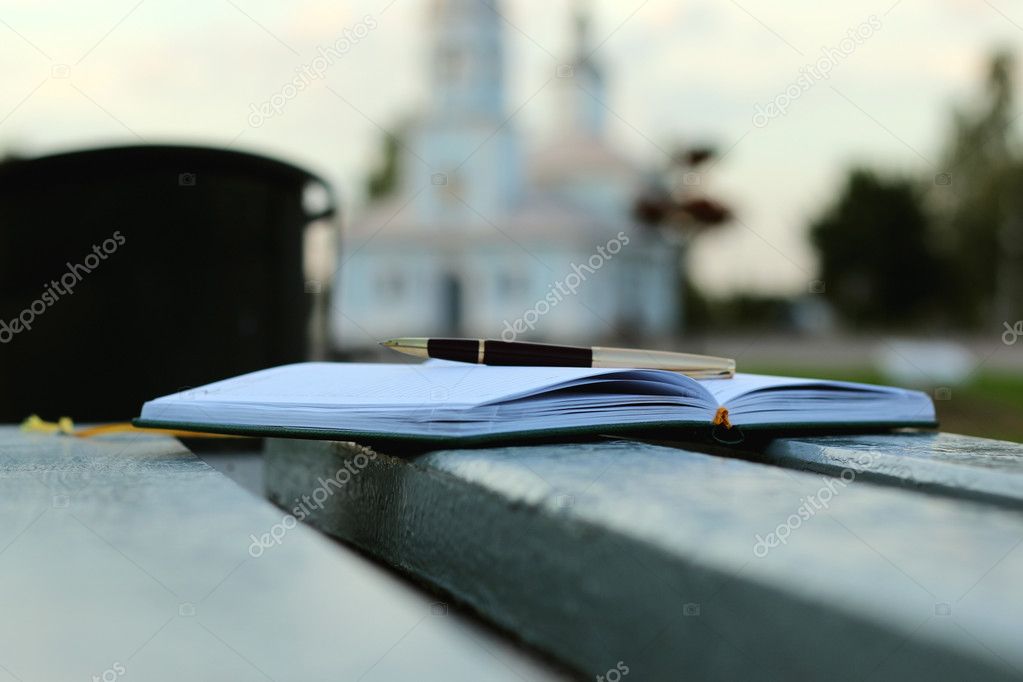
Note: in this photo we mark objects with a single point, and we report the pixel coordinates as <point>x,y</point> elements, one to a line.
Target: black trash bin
<point>128,273</point>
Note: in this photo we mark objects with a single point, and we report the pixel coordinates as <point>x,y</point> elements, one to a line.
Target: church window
<point>390,285</point>
<point>453,189</point>
<point>511,284</point>
<point>453,64</point>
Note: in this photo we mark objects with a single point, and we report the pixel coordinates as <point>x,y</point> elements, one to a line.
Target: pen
<point>519,353</point>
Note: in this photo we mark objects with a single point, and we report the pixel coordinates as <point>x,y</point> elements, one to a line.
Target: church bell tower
<point>463,133</point>
<point>466,54</point>
<point>584,94</point>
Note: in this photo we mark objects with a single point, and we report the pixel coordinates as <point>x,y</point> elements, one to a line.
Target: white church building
<point>487,236</point>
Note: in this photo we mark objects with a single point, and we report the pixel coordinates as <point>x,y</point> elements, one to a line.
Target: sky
<point>86,74</point>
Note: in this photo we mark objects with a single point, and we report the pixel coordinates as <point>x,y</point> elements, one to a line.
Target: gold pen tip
<point>413,346</point>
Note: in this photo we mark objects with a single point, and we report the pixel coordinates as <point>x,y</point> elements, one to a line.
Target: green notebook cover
<point>693,431</point>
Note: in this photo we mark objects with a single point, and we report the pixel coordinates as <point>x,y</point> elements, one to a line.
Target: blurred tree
<point>696,307</point>
<point>383,179</point>
<point>977,203</point>
<point>877,253</point>
<point>673,200</point>
<point>752,310</point>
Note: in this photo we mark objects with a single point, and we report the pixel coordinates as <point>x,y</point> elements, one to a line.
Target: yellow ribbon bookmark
<point>65,426</point>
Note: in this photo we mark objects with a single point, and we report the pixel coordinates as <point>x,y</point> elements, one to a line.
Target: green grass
<point>990,405</point>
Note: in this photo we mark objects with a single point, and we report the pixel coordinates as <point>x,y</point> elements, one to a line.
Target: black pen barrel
<point>459,350</point>
<point>536,354</point>
<point>514,353</point>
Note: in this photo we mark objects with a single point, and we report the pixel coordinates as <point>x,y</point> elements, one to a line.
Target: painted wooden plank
<point>677,564</point>
<point>125,557</point>
<point>941,463</point>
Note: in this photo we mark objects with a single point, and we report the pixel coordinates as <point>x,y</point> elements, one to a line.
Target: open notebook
<point>442,400</point>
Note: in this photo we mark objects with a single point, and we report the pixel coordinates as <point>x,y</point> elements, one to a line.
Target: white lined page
<point>382,385</point>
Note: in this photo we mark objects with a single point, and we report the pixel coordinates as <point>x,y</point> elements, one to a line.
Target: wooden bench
<point>126,557</point>
<point>891,556</point>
